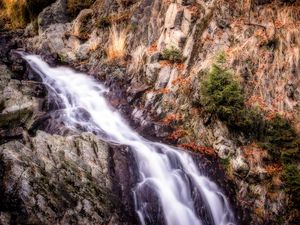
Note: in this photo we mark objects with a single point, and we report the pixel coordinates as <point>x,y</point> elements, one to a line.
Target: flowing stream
<point>169,173</point>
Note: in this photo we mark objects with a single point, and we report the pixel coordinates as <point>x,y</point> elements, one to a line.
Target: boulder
<point>53,14</point>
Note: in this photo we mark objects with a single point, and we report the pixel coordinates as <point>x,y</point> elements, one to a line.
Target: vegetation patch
<point>280,139</point>
<point>221,95</point>
<point>117,43</point>
<point>173,55</point>
<point>20,12</point>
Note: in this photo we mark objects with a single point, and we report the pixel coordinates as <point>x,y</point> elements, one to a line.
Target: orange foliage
<point>278,24</point>
<point>194,111</point>
<point>203,149</point>
<point>182,81</point>
<point>254,99</point>
<point>159,91</point>
<point>152,49</point>
<point>251,150</point>
<point>179,66</point>
<point>194,10</point>
<point>261,36</point>
<point>165,63</point>
<point>273,169</point>
<point>177,134</point>
<point>171,118</point>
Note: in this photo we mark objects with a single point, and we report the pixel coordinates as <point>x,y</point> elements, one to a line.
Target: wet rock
<point>83,52</point>
<point>52,42</point>
<point>7,42</point>
<point>17,108</point>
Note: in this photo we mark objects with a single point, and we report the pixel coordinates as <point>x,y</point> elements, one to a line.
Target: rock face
<point>53,179</point>
<point>57,179</point>
<point>261,45</point>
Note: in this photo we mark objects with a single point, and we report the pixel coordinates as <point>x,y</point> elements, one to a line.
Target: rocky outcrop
<point>19,105</point>
<point>53,14</point>
<point>259,40</point>
<point>54,179</point>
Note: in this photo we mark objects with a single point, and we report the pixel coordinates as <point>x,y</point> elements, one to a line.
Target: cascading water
<point>169,173</point>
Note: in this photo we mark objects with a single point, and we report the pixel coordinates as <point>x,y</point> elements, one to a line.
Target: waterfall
<point>168,173</point>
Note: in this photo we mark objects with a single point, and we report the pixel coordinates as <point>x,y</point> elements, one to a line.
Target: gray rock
<point>16,108</point>
<point>55,13</point>
<point>163,77</point>
<point>151,72</point>
<point>223,147</point>
<point>239,165</point>
<point>58,180</point>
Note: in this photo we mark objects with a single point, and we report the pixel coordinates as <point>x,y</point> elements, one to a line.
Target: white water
<point>169,172</point>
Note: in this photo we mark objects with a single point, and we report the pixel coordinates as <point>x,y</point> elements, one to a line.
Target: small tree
<point>222,96</point>
<point>280,139</point>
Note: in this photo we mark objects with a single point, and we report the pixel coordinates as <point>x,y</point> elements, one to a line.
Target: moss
<point>62,58</point>
<point>225,163</point>
<point>173,55</point>
<point>133,27</point>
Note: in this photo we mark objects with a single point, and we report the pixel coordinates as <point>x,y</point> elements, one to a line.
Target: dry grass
<point>19,12</point>
<point>274,39</point>
<point>117,43</point>
<point>137,58</point>
<point>94,42</point>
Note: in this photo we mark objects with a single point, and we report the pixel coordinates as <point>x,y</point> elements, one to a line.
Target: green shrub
<point>225,163</point>
<point>280,139</point>
<point>291,177</point>
<point>222,96</point>
<point>172,54</point>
